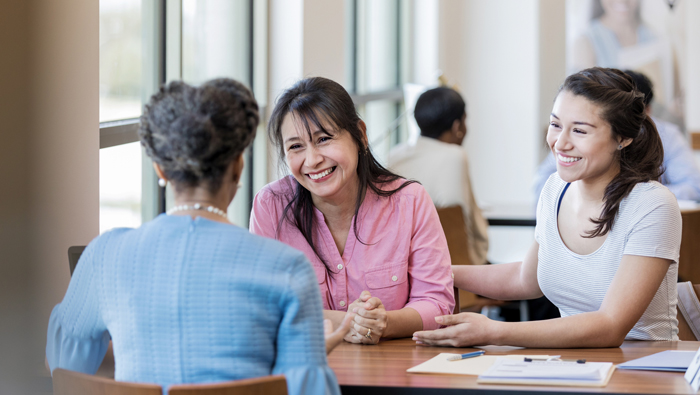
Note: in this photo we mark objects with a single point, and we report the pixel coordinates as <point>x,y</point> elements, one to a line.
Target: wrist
<point>496,332</point>
<point>387,331</point>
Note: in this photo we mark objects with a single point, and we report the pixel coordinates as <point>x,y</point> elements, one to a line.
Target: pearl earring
<point>162,182</point>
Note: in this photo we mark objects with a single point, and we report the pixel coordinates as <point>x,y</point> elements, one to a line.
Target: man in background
<point>439,162</point>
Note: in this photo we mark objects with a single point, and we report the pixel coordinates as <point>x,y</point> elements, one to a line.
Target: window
<point>120,186</point>
<point>120,59</point>
<point>121,85</point>
<point>144,44</point>
<point>217,41</point>
<point>378,76</point>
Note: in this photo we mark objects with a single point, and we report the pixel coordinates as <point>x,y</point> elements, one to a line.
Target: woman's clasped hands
<point>461,330</point>
<point>370,321</point>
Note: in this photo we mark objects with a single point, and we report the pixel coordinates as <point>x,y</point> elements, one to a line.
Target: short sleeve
<point>77,338</point>
<point>262,220</point>
<point>301,346</point>
<point>429,264</point>
<point>656,230</point>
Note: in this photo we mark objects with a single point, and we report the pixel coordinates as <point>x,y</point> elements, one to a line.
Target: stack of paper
<point>507,371</point>
<point>441,364</point>
<point>667,361</point>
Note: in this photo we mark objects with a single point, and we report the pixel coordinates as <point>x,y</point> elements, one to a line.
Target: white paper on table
<point>509,369</point>
<point>470,366</point>
<point>692,375</point>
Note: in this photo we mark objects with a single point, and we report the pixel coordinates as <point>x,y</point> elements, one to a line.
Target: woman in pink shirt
<point>374,239</point>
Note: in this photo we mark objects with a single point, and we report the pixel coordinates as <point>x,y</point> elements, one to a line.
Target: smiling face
<point>323,161</point>
<point>581,141</point>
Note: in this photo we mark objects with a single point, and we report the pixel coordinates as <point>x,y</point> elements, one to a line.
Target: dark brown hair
<point>437,109</point>
<point>320,101</point>
<point>194,133</point>
<point>622,106</point>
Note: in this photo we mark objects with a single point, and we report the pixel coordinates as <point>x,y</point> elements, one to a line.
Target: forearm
<point>335,316</point>
<point>402,323</point>
<point>502,281</point>
<point>586,330</point>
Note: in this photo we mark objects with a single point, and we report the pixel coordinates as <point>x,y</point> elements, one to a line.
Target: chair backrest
<point>66,382</point>
<point>452,220</point>
<point>689,259</point>
<point>74,253</point>
<point>268,385</point>
<point>688,311</point>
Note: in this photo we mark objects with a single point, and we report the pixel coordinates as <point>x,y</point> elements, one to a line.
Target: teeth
<point>320,175</point>
<point>567,159</point>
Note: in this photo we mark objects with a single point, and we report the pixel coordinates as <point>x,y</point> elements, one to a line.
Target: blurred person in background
<point>438,161</point>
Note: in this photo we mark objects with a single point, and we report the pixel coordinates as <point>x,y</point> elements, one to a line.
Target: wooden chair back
<point>66,382</point>
<point>268,385</point>
<point>452,220</point>
<point>689,260</point>
<point>688,311</point>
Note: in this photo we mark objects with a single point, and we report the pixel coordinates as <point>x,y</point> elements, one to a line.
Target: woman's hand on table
<point>334,337</point>
<point>370,320</point>
<point>462,330</point>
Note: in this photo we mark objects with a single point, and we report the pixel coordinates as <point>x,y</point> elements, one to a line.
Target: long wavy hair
<point>320,101</point>
<point>622,106</point>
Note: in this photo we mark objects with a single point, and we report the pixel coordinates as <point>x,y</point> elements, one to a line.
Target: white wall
<point>501,88</point>
<point>425,41</point>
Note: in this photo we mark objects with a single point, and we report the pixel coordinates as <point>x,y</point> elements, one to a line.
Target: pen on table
<point>555,358</point>
<point>467,355</point>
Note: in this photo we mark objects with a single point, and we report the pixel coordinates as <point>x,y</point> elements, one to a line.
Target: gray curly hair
<point>194,133</point>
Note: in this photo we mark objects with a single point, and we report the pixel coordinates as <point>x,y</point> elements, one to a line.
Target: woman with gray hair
<point>189,297</point>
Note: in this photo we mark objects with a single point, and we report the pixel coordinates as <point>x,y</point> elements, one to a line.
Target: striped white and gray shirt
<point>648,223</point>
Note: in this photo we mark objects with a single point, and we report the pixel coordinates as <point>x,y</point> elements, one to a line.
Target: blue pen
<point>467,355</point>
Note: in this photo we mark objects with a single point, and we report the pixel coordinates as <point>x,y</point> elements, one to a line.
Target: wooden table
<point>381,369</point>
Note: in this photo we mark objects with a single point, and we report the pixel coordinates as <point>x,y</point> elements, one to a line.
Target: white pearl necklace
<point>197,206</point>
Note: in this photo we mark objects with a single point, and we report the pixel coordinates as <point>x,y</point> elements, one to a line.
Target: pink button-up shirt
<point>402,258</point>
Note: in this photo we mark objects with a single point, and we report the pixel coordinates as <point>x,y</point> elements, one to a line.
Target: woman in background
<point>607,238</point>
<point>189,297</point>
<point>374,239</point>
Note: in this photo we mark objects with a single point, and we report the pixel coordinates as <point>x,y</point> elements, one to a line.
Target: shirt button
<point>342,303</point>
<point>394,278</point>
<point>453,275</point>
<point>340,267</point>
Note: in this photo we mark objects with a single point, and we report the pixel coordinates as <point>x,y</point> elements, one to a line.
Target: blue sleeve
<point>301,346</point>
<point>544,170</point>
<point>682,175</point>
<point>77,338</point>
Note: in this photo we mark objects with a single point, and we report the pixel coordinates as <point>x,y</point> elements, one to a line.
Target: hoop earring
<point>162,182</point>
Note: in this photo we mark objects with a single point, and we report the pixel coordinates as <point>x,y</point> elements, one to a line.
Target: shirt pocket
<point>387,276</point>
